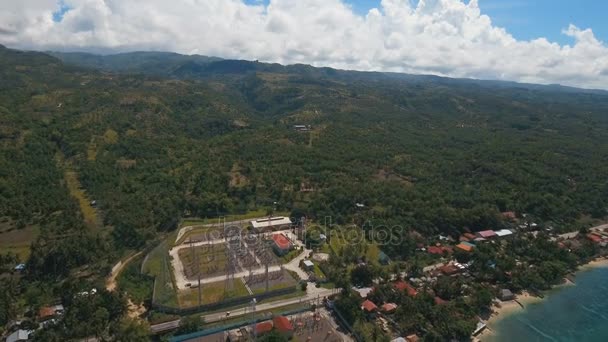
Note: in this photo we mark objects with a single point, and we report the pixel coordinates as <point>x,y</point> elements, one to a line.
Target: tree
<point>189,324</point>
<point>130,330</point>
<point>362,275</point>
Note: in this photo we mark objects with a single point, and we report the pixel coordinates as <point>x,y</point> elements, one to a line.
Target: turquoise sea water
<point>568,314</point>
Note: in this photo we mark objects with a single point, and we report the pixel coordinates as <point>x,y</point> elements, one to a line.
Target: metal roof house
<point>19,335</point>
<point>486,234</point>
<point>503,233</point>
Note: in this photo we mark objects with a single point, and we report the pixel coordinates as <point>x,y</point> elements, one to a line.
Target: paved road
<point>294,264</point>
<point>313,294</point>
<point>162,327</point>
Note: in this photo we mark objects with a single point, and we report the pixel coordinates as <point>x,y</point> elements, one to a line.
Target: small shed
<point>308,265</point>
<point>506,295</point>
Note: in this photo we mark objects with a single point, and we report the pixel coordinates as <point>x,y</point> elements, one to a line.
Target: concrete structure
<point>271,223</point>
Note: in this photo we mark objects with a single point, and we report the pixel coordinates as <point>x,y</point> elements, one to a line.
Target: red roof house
<point>389,307</point>
<point>509,215</point>
<point>438,250</point>
<point>469,236</point>
<point>594,237</point>
<point>263,327</point>
<point>281,323</point>
<point>403,286</point>
<point>368,306</point>
<point>449,269</point>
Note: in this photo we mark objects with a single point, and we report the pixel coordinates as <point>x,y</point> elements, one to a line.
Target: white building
<point>19,335</point>
<point>503,233</point>
<point>271,223</point>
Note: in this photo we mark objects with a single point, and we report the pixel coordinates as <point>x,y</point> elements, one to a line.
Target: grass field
<point>157,264</point>
<point>89,213</point>
<point>17,241</point>
<point>211,293</point>
<point>210,261</point>
<point>201,233</point>
<point>285,281</point>
<point>231,218</point>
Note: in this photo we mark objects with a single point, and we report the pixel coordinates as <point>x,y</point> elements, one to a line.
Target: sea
<point>577,313</point>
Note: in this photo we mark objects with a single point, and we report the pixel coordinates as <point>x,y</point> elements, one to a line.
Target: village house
<point>503,233</point>
<point>389,307</point>
<point>465,246</point>
<point>369,307</point>
<point>404,286</point>
<point>283,326</point>
<point>486,234</point>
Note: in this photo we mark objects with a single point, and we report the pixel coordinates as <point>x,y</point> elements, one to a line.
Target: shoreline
<point>501,310</point>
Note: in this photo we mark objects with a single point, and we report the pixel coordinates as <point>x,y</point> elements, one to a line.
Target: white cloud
<point>444,37</point>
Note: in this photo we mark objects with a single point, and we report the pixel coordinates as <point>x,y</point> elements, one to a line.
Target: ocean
<point>567,314</point>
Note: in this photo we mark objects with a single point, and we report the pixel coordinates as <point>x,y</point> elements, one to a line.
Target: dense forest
<point>214,137</point>
<point>155,137</point>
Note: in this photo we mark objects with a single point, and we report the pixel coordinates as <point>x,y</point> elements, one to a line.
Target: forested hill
<point>206,137</point>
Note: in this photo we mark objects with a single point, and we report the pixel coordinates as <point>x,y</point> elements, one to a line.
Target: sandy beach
<point>599,262</point>
<point>501,310</point>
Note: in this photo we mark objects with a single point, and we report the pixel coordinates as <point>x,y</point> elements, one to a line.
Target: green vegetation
<point>138,285</point>
<point>200,137</point>
<point>211,293</point>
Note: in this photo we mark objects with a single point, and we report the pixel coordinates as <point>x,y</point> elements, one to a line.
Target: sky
<point>537,41</point>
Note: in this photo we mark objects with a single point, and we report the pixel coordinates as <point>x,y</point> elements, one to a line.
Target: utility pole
<point>255,333</point>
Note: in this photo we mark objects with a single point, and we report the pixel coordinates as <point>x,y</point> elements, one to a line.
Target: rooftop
<point>388,307</point>
<point>403,286</point>
<point>271,222</point>
<point>281,323</point>
<point>467,247</point>
<point>487,233</point>
<point>263,327</point>
<point>281,241</point>
<point>368,305</point>
<point>503,232</point>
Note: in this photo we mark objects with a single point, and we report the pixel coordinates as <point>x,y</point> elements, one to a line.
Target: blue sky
<point>529,19</point>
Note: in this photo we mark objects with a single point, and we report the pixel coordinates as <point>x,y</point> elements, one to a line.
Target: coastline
<point>501,310</point>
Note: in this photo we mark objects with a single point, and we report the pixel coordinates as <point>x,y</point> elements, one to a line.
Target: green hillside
<point>215,137</point>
